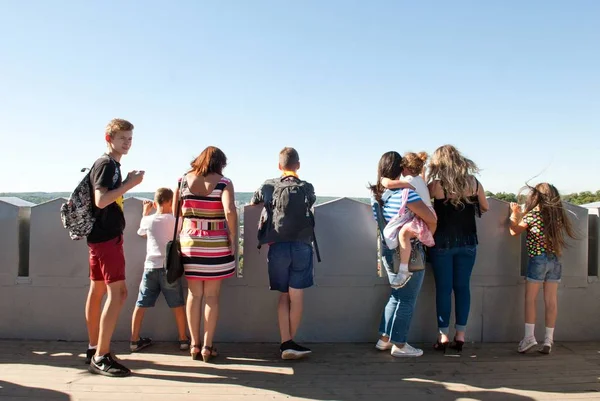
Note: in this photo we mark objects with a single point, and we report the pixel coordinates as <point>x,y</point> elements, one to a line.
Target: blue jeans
<point>452,269</point>
<point>290,265</point>
<point>398,312</point>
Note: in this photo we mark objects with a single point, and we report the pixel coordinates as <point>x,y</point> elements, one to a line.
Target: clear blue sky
<point>513,84</point>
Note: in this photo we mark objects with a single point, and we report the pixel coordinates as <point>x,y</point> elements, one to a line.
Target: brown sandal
<point>212,353</point>
<point>195,355</point>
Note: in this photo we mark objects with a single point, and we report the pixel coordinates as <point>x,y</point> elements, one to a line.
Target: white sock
<point>550,333</point>
<point>529,330</point>
<point>90,346</point>
<point>403,268</point>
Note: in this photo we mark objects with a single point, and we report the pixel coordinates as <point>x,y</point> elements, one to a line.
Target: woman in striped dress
<point>208,241</point>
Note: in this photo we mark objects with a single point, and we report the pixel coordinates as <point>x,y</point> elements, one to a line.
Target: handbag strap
<point>178,208</point>
<point>379,214</point>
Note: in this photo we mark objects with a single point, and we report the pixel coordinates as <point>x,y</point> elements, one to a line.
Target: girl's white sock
<point>550,333</point>
<point>529,330</point>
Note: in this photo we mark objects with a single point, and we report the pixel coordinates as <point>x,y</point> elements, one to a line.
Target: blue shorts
<point>154,281</point>
<point>290,265</point>
<point>544,268</point>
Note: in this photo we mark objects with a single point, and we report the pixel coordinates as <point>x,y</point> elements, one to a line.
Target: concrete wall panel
<point>345,304</point>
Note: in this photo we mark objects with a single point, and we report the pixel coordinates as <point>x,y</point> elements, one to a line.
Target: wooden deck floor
<point>55,371</point>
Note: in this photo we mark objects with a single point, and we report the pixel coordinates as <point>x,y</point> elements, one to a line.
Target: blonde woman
<point>458,198</point>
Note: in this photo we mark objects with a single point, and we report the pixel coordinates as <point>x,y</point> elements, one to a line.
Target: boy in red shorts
<point>105,243</point>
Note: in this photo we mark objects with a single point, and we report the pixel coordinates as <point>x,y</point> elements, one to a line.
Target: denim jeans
<point>452,269</point>
<point>398,312</point>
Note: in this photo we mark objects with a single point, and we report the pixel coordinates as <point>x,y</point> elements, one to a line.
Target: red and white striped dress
<point>204,236</point>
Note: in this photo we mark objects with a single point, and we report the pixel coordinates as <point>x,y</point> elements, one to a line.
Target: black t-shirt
<point>110,221</point>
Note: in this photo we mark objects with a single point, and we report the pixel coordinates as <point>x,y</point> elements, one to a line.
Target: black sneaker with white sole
<point>291,350</point>
<point>107,366</point>
<point>184,345</point>
<point>140,344</point>
<point>89,354</point>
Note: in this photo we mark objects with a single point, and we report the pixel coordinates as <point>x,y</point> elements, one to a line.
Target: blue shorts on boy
<point>290,265</point>
<point>154,281</point>
<point>544,268</point>
<point>158,228</point>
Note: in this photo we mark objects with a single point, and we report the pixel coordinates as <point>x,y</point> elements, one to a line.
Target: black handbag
<point>173,262</point>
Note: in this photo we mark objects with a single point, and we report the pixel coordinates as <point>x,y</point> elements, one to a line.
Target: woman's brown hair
<point>390,166</point>
<point>546,198</point>
<point>211,160</point>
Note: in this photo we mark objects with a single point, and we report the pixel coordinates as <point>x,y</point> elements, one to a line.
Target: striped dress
<point>204,236</point>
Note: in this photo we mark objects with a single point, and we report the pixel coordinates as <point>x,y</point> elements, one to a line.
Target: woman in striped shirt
<point>208,242</point>
<point>398,312</point>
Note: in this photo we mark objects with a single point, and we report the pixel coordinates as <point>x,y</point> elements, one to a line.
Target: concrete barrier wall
<point>593,241</point>
<point>344,305</point>
<point>14,238</point>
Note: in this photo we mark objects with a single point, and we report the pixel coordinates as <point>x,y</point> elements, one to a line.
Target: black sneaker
<point>291,350</point>
<point>140,344</point>
<point>89,354</point>
<point>184,345</point>
<point>107,366</point>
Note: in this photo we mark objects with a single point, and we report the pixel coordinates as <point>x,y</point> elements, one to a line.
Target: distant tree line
<point>579,198</point>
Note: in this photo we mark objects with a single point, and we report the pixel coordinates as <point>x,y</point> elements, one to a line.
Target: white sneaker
<point>400,280</point>
<point>406,351</point>
<point>547,347</point>
<point>526,344</point>
<point>383,345</point>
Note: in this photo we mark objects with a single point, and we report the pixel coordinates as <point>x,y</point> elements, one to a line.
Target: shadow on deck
<point>56,371</point>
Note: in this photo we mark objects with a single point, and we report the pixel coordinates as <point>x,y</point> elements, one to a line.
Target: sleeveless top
<point>456,224</point>
<point>204,236</point>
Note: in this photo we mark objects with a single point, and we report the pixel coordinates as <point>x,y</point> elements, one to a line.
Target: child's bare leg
<point>179,313</point>
<point>404,237</point>
<point>403,275</point>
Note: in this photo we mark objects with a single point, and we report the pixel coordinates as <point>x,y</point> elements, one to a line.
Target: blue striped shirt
<point>392,201</point>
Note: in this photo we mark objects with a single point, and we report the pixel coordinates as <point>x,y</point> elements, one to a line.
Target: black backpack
<point>291,211</point>
<point>77,213</point>
<point>292,217</point>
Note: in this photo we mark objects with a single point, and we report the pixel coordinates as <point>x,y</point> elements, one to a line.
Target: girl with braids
<point>547,225</point>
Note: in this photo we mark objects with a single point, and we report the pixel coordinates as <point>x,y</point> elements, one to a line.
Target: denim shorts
<point>544,268</point>
<point>154,281</point>
<point>290,265</point>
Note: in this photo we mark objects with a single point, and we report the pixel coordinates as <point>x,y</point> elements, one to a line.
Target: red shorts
<point>107,261</point>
